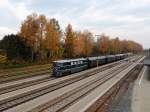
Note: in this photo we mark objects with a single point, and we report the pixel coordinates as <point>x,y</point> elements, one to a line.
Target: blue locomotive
<point>65,67</point>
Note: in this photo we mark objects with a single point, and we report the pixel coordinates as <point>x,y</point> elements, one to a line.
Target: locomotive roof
<point>69,60</point>
<point>119,54</point>
<point>110,55</point>
<point>99,57</point>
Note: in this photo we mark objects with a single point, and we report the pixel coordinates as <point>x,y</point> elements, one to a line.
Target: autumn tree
<point>52,39</point>
<point>42,21</point>
<point>115,46</point>
<point>124,46</point>
<point>41,33</point>
<point>29,31</point>
<point>69,42</point>
<point>95,49</point>
<point>103,44</point>
<point>88,43</point>
<point>44,37</point>
<point>78,44</point>
<point>134,46</point>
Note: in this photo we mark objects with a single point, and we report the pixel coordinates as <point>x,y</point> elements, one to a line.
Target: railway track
<point>64,102</point>
<point>13,101</point>
<point>24,84</point>
<point>74,95</point>
<point>21,81</point>
<point>4,88</point>
<point>12,70</point>
<point>21,73</point>
<point>98,99</point>
<point>27,75</point>
<point>117,90</point>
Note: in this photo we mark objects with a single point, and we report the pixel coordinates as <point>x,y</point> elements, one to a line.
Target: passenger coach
<point>96,61</point>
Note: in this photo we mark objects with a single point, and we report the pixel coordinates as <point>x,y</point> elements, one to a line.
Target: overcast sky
<point>127,19</point>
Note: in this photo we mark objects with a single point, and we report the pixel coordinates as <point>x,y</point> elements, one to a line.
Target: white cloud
<point>136,32</point>
<point>115,17</point>
<point>5,31</point>
<point>139,3</point>
<point>20,11</point>
<point>4,3</point>
<point>17,10</point>
<point>12,16</point>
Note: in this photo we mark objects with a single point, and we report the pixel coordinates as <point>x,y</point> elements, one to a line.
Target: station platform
<point>141,92</point>
<point>147,61</point>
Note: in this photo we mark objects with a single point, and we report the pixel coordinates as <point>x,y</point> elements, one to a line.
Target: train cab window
<point>66,63</point>
<point>80,62</point>
<point>58,64</point>
<point>72,63</point>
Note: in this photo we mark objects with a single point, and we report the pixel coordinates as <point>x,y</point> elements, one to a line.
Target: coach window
<point>78,62</point>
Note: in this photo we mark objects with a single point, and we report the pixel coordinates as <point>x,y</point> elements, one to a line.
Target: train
<point>65,67</point>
